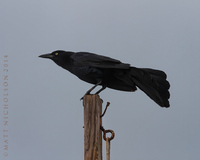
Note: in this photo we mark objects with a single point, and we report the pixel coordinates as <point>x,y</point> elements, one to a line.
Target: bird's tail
<point>153,83</point>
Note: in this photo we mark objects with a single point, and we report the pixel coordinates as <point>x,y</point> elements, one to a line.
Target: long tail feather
<point>153,83</point>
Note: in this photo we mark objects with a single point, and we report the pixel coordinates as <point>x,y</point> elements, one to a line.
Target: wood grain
<point>92,132</point>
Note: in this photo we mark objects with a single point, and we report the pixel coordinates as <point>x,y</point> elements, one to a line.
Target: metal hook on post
<point>108,103</point>
<point>108,131</point>
<point>107,139</point>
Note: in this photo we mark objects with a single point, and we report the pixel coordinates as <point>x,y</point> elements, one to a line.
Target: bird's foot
<point>87,93</point>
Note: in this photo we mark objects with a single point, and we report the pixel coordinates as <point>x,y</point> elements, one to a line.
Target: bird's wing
<point>98,61</point>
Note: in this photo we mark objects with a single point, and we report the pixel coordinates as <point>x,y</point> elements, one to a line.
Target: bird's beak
<point>50,56</point>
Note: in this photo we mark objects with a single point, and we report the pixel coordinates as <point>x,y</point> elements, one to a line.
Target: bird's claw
<point>81,98</point>
<point>87,93</point>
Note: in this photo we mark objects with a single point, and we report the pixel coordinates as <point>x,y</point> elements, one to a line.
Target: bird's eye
<point>56,53</point>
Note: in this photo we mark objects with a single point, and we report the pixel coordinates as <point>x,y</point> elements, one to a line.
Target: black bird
<point>111,73</point>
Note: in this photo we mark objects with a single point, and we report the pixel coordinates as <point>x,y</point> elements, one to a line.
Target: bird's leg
<point>88,92</point>
<point>103,87</point>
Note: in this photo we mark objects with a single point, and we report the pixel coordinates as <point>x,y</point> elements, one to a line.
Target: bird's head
<point>59,57</point>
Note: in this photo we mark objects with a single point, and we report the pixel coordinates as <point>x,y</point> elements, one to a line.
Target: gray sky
<point>45,117</point>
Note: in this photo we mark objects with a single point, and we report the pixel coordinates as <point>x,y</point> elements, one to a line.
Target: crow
<point>112,73</point>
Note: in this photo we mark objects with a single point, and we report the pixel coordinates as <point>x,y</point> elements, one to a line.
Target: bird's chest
<point>88,74</point>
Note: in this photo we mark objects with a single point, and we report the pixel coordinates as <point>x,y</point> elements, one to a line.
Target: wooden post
<point>92,132</point>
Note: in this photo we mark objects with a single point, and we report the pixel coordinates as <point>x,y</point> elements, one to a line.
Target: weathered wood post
<point>92,132</point>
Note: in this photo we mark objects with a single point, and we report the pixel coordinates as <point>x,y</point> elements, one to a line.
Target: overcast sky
<point>45,114</point>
